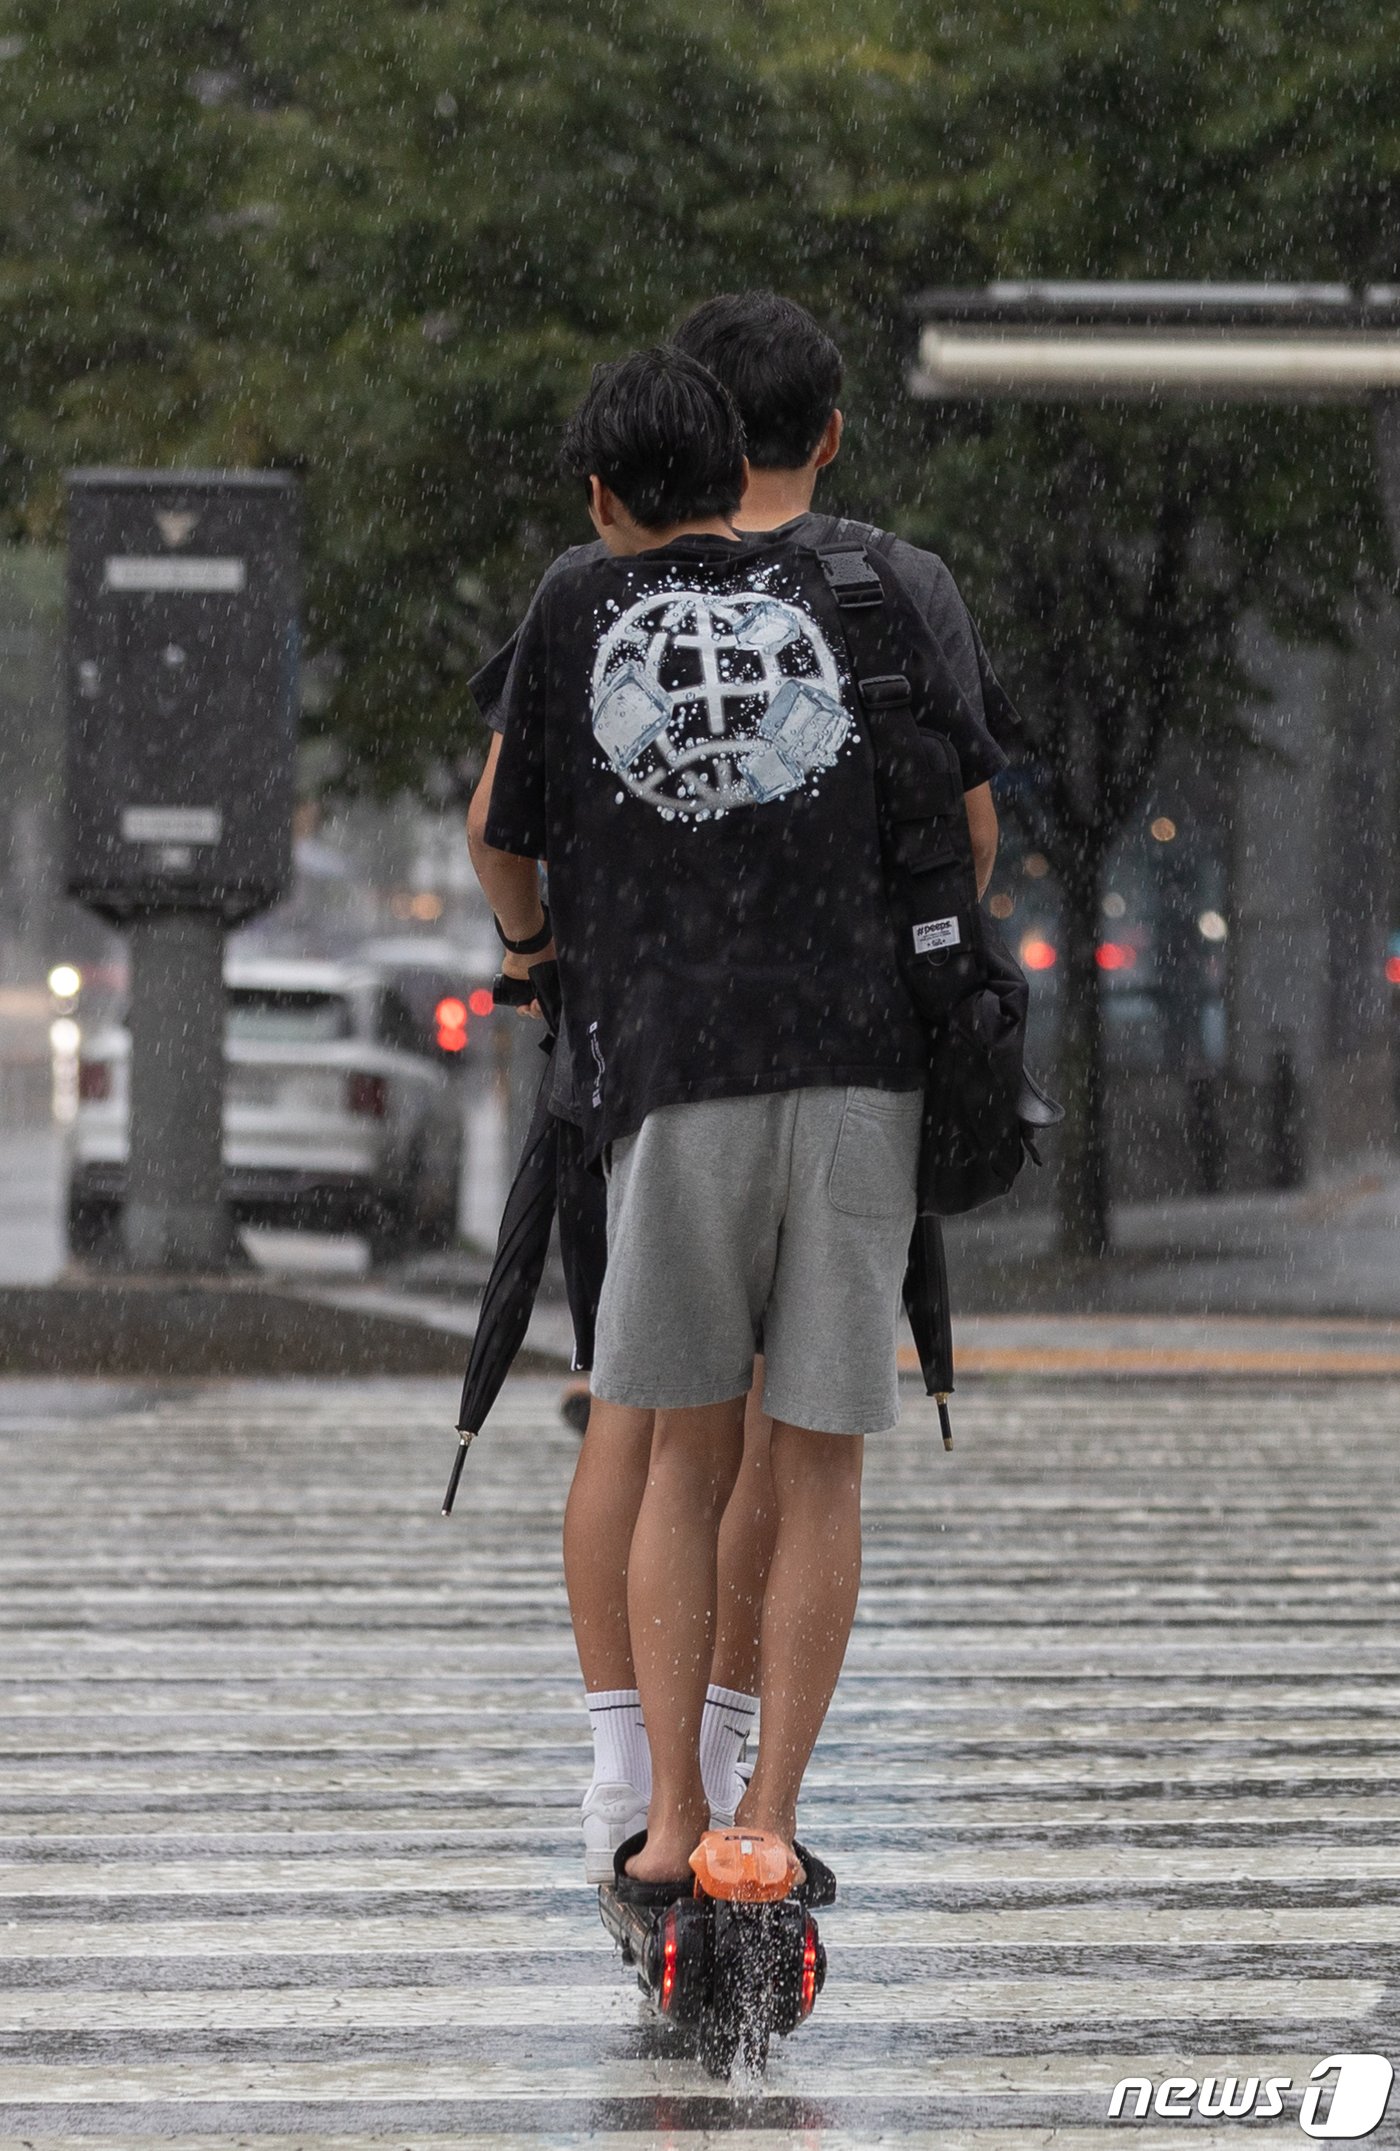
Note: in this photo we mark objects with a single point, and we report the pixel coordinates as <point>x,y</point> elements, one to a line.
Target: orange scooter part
<point>746,1866</point>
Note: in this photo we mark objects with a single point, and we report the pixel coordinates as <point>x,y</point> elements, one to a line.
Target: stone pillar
<point>175,1215</point>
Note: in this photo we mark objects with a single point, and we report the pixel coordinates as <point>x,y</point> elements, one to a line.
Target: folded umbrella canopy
<point>550,1177</point>
<point>930,1314</point>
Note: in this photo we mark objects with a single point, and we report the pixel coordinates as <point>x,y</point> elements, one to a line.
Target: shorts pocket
<point>877,1151</point>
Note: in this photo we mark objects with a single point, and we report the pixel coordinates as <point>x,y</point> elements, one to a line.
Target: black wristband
<point>533,942</point>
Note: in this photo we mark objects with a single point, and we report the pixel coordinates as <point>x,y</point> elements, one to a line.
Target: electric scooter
<point>738,1959</point>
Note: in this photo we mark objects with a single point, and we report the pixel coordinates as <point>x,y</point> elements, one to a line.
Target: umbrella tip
<point>466,1436</point>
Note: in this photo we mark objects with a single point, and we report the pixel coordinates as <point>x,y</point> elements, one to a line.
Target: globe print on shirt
<point>703,703</point>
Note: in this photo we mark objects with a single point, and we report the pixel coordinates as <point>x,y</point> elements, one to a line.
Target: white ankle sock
<point>620,1752</point>
<point>725,1724</point>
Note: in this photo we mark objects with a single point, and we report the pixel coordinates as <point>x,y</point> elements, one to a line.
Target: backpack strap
<point>925,844</point>
<point>854,582</point>
<point>857,588</point>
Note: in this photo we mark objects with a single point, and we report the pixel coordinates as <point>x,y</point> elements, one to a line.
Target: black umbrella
<point>521,1247</point>
<point>930,1315</point>
<point>551,1176</point>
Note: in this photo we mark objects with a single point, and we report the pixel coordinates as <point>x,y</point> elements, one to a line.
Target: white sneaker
<point>611,1814</point>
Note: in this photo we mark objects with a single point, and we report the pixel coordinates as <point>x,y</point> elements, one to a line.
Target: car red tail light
<point>450,1016</point>
<point>94,1082</point>
<point>480,1001</point>
<point>365,1093</point>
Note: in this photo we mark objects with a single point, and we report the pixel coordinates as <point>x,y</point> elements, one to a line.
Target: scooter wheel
<point>738,2017</point>
<point>719,2041</point>
<point>753,2044</point>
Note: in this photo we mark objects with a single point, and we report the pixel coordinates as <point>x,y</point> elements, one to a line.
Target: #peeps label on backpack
<point>936,934</point>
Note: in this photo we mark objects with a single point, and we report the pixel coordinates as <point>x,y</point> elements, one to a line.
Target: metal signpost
<point>181,682</point>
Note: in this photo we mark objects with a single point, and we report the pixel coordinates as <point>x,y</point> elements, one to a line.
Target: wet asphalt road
<point>288,1770</point>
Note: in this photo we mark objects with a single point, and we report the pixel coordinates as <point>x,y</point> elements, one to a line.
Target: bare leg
<point>671,1591</point>
<point>745,1549</point>
<point>813,1585</point>
<point>609,1481</point>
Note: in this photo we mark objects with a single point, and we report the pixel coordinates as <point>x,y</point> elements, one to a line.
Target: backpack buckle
<point>885,691</point>
<point>854,583</point>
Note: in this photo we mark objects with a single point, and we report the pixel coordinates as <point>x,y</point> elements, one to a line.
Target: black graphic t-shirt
<point>981,743</point>
<point>680,747</point>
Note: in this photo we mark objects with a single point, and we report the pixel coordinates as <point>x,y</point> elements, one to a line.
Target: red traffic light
<point>480,1002</point>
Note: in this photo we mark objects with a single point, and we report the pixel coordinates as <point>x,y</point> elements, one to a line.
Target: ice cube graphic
<point>806,724</point>
<point>628,715</point>
<point>802,731</point>
<point>766,626</point>
<point>768,774</point>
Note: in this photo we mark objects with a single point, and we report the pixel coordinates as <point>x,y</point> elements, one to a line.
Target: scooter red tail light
<point>809,1968</point>
<point>669,1951</point>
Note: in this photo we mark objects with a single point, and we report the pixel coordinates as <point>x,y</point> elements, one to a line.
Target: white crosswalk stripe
<point>289,1770</point>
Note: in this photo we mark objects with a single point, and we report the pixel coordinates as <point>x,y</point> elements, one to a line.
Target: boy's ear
<point>602,504</point>
<point>748,474</point>
<point>830,441</point>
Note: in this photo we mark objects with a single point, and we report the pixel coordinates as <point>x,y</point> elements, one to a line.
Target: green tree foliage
<point>382,243</point>
<point>381,246</point>
<point>1113,550</point>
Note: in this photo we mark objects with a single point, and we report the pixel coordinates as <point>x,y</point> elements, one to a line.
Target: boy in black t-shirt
<point>785,375</point>
<point>681,745</point>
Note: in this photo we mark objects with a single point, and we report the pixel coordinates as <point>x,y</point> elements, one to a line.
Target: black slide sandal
<point>648,1895</point>
<point>819,1886</point>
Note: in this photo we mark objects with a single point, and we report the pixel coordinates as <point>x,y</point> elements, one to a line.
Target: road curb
<point>219,1327</point>
<point>1172,1348</point>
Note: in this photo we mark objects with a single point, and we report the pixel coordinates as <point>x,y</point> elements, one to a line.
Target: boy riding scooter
<point>785,375</point>
<point>682,748</point>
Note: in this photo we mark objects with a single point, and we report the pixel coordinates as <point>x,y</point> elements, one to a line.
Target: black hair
<point>663,434</point>
<point>781,369</point>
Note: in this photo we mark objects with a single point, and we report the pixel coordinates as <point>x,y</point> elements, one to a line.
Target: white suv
<point>337,1113</point>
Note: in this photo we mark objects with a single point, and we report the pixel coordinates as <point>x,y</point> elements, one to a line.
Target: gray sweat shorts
<point>783,1218</point>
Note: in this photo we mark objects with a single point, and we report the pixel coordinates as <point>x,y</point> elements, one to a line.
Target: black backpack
<point>982,1107</point>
